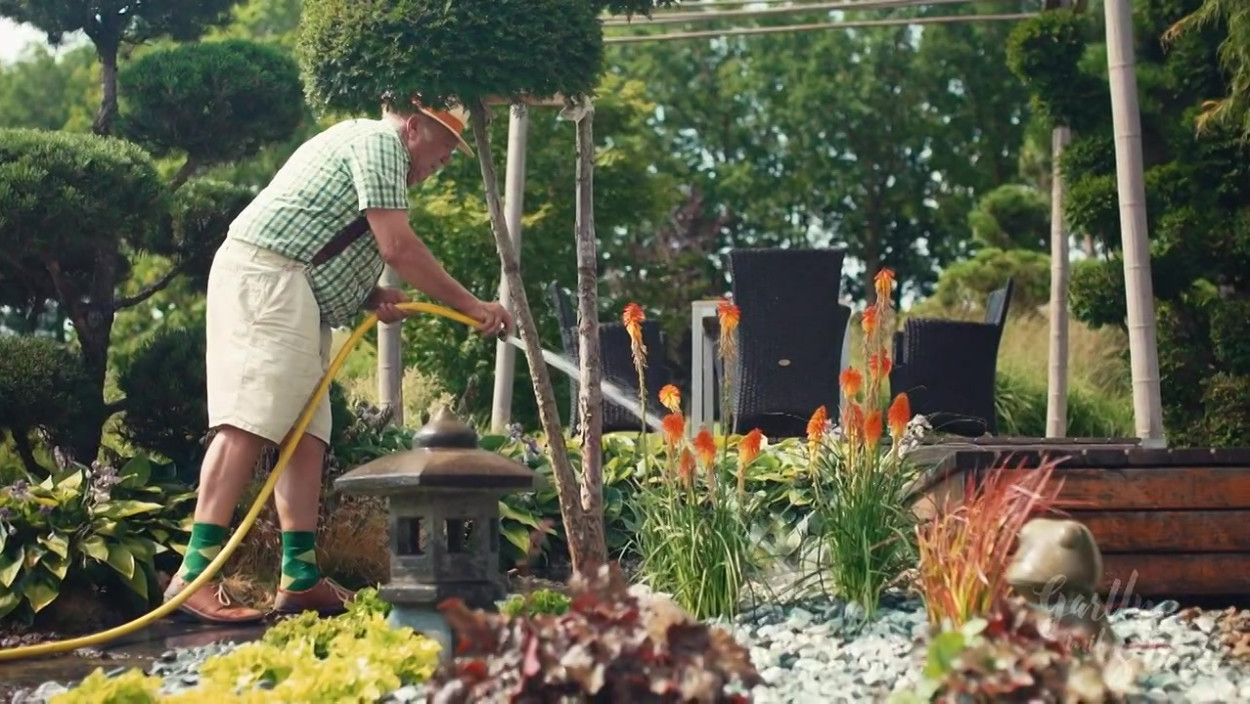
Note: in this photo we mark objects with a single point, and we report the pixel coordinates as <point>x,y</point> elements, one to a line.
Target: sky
<point>15,37</point>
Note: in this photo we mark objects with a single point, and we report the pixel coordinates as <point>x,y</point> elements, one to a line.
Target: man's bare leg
<point>227,467</point>
<point>298,499</point>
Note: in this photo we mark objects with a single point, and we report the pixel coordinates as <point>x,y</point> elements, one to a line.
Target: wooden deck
<point>1169,522</point>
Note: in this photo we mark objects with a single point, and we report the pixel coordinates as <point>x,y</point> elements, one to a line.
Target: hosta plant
<point>609,646</point>
<point>355,657</point>
<point>1016,654</point>
<point>102,525</point>
<point>863,520</point>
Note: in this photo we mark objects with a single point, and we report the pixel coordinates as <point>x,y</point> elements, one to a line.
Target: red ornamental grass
<point>965,550</point>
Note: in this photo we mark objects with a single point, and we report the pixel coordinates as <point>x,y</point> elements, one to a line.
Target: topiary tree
<point>1232,110</point>
<point>233,97</point>
<point>1198,206</point>
<point>355,55</point>
<point>75,207</point>
<point>110,24</point>
<point>1012,216</point>
<point>966,284</point>
<point>43,386</point>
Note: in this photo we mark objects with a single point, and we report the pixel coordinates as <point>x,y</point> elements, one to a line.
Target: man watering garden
<point>295,264</point>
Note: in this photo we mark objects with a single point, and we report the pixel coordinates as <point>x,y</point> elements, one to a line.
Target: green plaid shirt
<point>327,182</point>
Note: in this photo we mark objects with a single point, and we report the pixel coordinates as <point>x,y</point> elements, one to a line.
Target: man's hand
<point>383,302</point>
<point>493,318</point>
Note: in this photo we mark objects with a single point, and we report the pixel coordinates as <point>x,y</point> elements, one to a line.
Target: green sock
<point>206,541</point>
<point>299,561</point>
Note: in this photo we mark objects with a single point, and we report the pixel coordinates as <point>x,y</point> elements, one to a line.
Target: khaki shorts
<point>267,347</point>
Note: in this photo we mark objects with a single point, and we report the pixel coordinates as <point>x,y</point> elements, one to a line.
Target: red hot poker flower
<point>670,398</point>
<point>852,381</point>
<point>899,415</point>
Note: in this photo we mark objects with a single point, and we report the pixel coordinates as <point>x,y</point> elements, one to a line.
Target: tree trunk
<point>587,546</point>
<point>1057,378</point>
<point>103,123</point>
<point>590,394</point>
<point>21,440</point>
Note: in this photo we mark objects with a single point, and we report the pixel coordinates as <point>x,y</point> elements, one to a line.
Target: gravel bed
<point>822,650</point>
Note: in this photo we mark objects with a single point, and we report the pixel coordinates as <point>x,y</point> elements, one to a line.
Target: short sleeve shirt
<point>325,185</point>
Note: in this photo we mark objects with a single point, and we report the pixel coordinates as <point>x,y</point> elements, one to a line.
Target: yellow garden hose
<point>284,456</point>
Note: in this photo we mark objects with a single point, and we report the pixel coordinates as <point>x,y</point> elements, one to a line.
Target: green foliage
<point>49,187</point>
<point>1012,216</point>
<point>110,22</point>
<point>199,219</point>
<point>1226,402</point>
<point>1196,197</point>
<point>1020,405</point>
<point>214,101</point>
<point>1233,18</point>
<point>693,531</point>
<point>1088,155</point>
<point>166,408</point>
<point>354,657</point>
<point>104,526</point>
<point>1045,53</point>
<point>1230,334</point>
<point>965,285</point>
<point>46,91</point>
<point>542,602</point>
<point>519,658</point>
<point>43,386</point>
<point>355,54</point>
<point>1096,292</point>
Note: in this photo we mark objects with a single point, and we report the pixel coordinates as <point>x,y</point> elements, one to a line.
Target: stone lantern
<point>443,505</point>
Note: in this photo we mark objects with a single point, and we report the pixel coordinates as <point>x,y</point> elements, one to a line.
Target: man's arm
<point>404,252</point>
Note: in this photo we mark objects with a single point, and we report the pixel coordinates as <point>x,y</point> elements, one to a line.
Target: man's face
<point>430,145</point>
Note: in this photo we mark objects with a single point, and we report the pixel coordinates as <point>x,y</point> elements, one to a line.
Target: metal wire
<point>844,5</point>
<point>784,29</point>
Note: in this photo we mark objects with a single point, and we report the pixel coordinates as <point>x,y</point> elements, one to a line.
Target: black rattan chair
<point>790,335</point>
<point>949,368</point>
<point>618,364</point>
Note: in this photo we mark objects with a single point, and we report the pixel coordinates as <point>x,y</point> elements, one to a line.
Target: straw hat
<point>453,118</point>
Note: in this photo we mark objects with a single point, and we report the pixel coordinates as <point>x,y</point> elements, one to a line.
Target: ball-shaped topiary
<point>43,385</point>
<point>166,406</point>
<point>65,195</point>
<point>355,54</point>
<point>216,101</point>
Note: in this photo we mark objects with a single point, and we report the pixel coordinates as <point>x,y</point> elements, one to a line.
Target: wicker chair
<point>790,337</point>
<point>949,368</point>
<point>618,364</point>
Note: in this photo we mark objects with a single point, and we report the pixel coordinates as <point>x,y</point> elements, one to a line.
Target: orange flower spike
<point>705,447</point>
<point>686,469</point>
<point>633,318</point>
<point>852,381</point>
<point>854,421</point>
<point>816,425</point>
<point>872,428</point>
<point>670,398</point>
<point>749,448</point>
<point>884,283</point>
<point>674,426</point>
<point>869,320</point>
<point>899,415</point>
<point>728,315</point>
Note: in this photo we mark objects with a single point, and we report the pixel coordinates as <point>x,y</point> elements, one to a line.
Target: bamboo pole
<point>514,195</point>
<point>1139,293</point>
<point>1057,376</point>
<point>390,362</point>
